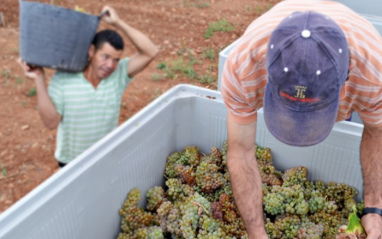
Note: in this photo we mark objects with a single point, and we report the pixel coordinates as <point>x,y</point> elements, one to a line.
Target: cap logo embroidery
<point>300,91</point>
<point>300,96</point>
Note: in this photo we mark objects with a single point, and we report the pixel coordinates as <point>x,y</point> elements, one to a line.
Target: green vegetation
<point>269,6</point>
<point>213,67</point>
<point>183,67</point>
<point>6,74</point>
<point>161,65</point>
<point>219,26</point>
<point>157,77</point>
<point>19,80</point>
<point>176,67</point>
<point>209,53</point>
<point>258,9</point>
<point>15,50</point>
<point>32,92</point>
<point>8,77</point>
<point>156,94</point>
<point>3,169</point>
<point>207,78</point>
<point>196,4</point>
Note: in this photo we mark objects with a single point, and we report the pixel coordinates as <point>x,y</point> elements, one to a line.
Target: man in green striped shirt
<point>85,106</point>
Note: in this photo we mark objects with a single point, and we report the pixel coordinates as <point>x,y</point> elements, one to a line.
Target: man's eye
<point>104,57</point>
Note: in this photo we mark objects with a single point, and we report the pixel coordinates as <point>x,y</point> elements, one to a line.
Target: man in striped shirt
<point>309,64</point>
<point>85,106</point>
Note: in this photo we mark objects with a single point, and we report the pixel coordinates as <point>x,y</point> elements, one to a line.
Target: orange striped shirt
<point>245,76</point>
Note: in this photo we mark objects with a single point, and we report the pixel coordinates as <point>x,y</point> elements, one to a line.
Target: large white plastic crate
<point>365,7</point>
<point>82,200</point>
<point>369,9</point>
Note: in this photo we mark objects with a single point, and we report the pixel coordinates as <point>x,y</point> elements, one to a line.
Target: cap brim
<point>298,128</point>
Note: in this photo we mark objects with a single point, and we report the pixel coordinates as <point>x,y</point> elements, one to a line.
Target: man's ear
<point>91,51</point>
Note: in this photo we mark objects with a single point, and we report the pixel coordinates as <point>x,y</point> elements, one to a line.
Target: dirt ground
<point>177,27</point>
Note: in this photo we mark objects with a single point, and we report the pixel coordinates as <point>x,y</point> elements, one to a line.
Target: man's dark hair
<point>109,36</point>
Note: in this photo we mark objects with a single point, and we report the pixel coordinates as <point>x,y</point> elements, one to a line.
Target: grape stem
<point>200,208</point>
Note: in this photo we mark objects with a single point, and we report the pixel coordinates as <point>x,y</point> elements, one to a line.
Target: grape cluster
<point>155,196</point>
<point>263,155</point>
<point>134,217</point>
<point>192,153</point>
<point>170,217</point>
<point>268,173</point>
<point>171,163</point>
<point>198,201</point>
<point>208,177</point>
<point>295,176</point>
<point>153,232</point>
<point>309,230</point>
<point>177,191</point>
<point>186,174</point>
<point>194,207</point>
<point>223,151</point>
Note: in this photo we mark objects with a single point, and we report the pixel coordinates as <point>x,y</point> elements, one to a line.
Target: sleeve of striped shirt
<point>122,68</point>
<point>55,92</point>
<point>364,87</point>
<point>372,115</point>
<point>234,96</point>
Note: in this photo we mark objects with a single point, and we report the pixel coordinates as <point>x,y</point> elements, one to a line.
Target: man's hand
<point>34,73</point>
<point>48,113</point>
<point>372,223</point>
<point>111,17</point>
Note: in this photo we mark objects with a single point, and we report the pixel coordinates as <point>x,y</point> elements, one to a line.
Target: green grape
<point>192,153</point>
<point>155,196</point>
<point>198,201</point>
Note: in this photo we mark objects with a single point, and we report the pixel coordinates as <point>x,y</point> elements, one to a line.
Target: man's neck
<point>91,76</point>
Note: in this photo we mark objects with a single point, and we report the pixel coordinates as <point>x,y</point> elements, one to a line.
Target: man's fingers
<point>111,15</point>
<point>23,64</point>
<point>31,67</point>
<point>106,9</point>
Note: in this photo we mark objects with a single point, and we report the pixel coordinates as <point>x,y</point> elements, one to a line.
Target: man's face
<point>105,60</point>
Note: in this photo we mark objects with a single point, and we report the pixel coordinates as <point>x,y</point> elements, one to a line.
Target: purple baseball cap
<point>307,63</point>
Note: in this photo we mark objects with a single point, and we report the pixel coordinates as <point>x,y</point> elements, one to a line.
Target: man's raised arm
<point>146,48</point>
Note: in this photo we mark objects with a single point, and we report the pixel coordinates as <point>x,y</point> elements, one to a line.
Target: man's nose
<point>109,63</point>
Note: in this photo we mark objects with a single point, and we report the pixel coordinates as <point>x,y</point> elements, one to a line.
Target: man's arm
<point>245,176</point>
<point>146,48</point>
<point>48,113</point>
<point>371,161</point>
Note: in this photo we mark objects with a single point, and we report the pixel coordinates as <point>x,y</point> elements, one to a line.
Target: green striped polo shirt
<point>88,114</point>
